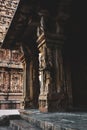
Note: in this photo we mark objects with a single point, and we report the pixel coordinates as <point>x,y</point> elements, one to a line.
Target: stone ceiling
<point>24,21</point>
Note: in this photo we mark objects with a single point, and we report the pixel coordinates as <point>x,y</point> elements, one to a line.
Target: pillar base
<point>27,103</point>
<point>53,102</point>
<point>30,103</point>
<point>22,104</point>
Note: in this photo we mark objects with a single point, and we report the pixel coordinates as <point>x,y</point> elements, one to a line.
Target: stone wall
<point>11,79</point>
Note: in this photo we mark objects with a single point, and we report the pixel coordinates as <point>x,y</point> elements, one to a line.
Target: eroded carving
<point>16,82</point>
<point>11,80</point>
<point>53,95</point>
<point>7,10</point>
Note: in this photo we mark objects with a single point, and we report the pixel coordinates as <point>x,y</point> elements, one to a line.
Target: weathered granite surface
<point>5,128</point>
<point>22,125</point>
<point>5,119</point>
<point>56,121</point>
<point>35,120</point>
<point>14,122</point>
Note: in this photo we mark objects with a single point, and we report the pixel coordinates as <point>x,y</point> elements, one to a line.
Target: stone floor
<point>35,120</point>
<point>56,121</point>
<point>5,128</point>
<point>22,125</point>
<point>11,120</point>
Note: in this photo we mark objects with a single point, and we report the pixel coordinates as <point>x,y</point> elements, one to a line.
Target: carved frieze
<point>1,81</point>
<point>10,56</point>
<point>15,55</point>
<point>16,82</point>
<point>6,78</point>
<point>7,11</point>
<point>11,80</point>
<point>46,63</point>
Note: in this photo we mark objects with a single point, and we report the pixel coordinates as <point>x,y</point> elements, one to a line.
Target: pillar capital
<point>49,31</point>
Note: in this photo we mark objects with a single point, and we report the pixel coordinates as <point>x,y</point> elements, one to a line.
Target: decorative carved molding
<point>7,11</point>
<point>11,81</point>
<point>10,59</point>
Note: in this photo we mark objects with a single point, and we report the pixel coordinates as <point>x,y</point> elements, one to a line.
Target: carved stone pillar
<point>35,79</point>
<point>32,87</point>
<point>31,83</point>
<point>53,95</point>
<point>24,82</point>
<point>68,84</point>
<point>27,89</point>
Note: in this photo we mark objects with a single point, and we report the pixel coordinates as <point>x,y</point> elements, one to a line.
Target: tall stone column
<point>31,82</point>
<point>35,78</point>
<point>27,87</point>
<point>26,60</point>
<point>22,105</point>
<point>53,95</point>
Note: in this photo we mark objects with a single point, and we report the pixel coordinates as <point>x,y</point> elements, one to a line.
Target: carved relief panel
<point>1,81</point>
<point>6,78</point>
<point>11,81</point>
<point>8,55</point>
<point>46,69</point>
<point>15,56</point>
<point>42,66</point>
<point>1,54</point>
<point>16,82</point>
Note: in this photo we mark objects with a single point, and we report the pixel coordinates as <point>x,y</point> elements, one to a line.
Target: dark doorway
<point>75,53</point>
<point>79,82</point>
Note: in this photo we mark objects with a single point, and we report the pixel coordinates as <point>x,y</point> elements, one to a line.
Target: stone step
<point>55,121</point>
<point>5,128</point>
<point>22,125</point>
